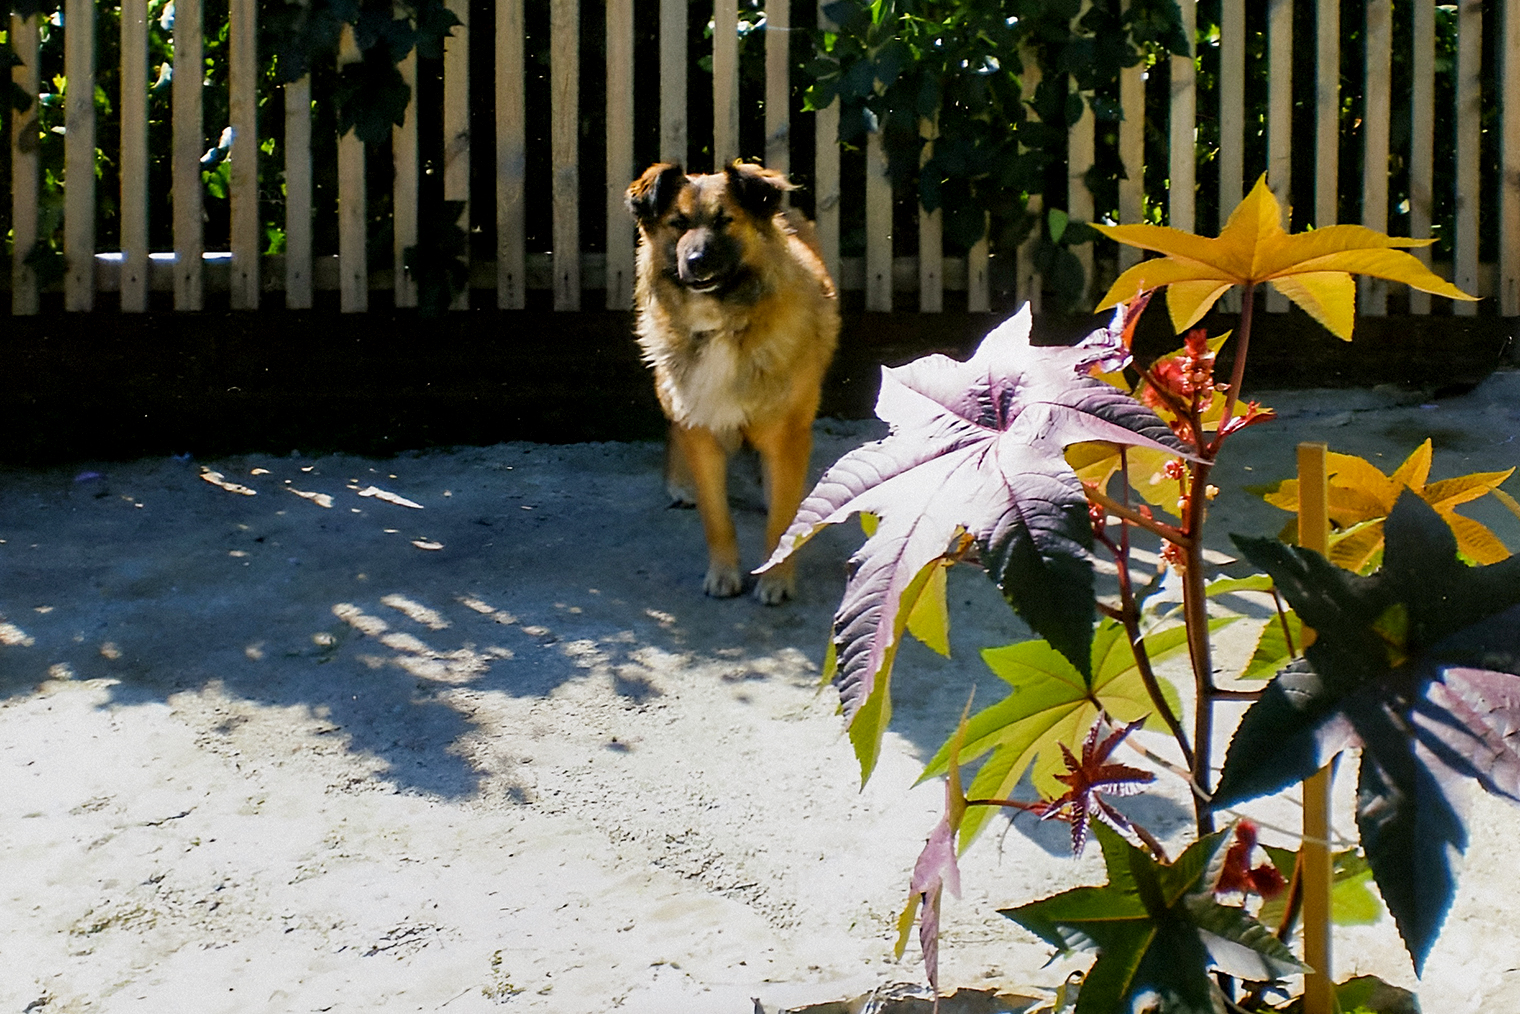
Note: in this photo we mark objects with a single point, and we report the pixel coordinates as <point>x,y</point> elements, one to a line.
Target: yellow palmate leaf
<point>1414,472</point>
<point>1449,492</point>
<point>1312,268</point>
<point>1327,296</point>
<point>1475,540</point>
<point>1188,301</point>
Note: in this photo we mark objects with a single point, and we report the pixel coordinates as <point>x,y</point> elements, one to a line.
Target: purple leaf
<point>976,447</point>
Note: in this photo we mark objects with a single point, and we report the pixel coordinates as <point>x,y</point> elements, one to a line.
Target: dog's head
<point>706,228</point>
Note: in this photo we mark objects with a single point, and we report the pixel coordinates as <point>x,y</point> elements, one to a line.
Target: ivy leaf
<point>1360,497</point>
<point>1311,268</point>
<point>1156,927</point>
<point>1419,664</point>
<point>976,448</point>
<point>1051,704</point>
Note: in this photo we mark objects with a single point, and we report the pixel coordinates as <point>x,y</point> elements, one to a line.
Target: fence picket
<point>512,152</point>
<point>978,275</point>
<point>1131,154</point>
<point>1079,159</point>
<point>620,167</point>
<point>826,177</point>
<point>79,155</point>
<point>931,249</point>
<point>1379,110</point>
<point>353,265</point>
<point>725,62</point>
<point>778,102</point>
<point>404,190</point>
<point>1422,140</point>
<point>25,175</point>
<point>134,156</point>
<point>1280,118</point>
<point>1232,119</point>
<point>878,227</point>
<point>1026,280</point>
<point>1469,147</point>
<point>1327,113</point>
<point>189,143</point>
<point>564,76</point>
<point>1509,178</point>
<point>1181,196</point>
<point>243,79</point>
<point>673,81</point>
<point>298,267</point>
<point>456,125</point>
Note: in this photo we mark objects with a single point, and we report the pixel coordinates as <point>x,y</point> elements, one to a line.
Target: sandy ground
<point>316,750</point>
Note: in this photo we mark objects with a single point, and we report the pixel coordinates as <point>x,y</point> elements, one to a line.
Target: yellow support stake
<point>1314,870</point>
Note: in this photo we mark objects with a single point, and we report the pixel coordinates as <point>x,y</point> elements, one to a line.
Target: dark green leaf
<point>1419,663</point>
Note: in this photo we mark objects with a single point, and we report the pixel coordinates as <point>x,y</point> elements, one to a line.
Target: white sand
<point>258,753</point>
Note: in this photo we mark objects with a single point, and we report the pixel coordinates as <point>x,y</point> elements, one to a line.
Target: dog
<point>738,317</point>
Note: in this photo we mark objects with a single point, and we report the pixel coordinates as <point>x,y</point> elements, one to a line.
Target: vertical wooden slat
<point>1327,114</point>
<point>1509,180</point>
<point>978,275</point>
<point>564,75</point>
<point>79,155</point>
<point>1131,155</point>
<point>778,85</point>
<point>878,227</point>
<point>1232,119</point>
<point>1079,200</point>
<point>1026,282</point>
<point>725,60</point>
<point>1182,193</point>
<point>1375,140</point>
<point>134,156</point>
<point>189,143</point>
<point>1469,146</point>
<point>242,101</point>
<point>353,267</point>
<point>404,189</point>
<point>620,167</point>
<point>931,249</point>
<point>1280,117</point>
<point>456,125</point>
<point>512,152</point>
<point>673,81</point>
<point>1422,139</point>
<point>826,177</point>
<point>24,166</point>
<point>298,282</point>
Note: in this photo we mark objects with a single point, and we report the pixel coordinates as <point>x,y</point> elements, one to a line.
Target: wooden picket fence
<point>884,273</point>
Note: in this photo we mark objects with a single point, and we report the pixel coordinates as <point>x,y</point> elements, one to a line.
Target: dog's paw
<point>682,494</point>
<point>774,588</point>
<point>723,581</point>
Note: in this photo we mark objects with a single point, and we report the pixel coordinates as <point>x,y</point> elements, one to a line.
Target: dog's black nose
<point>697,261</point>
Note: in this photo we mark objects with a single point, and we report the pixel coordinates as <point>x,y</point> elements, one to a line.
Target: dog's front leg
<point>785,447</point>
<point>707,461</point>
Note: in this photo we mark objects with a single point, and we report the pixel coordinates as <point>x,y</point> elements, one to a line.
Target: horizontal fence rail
<point>581,68</point>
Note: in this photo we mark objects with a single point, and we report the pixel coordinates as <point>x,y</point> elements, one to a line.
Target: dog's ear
<point>650,195</point>
<point>757,189</point>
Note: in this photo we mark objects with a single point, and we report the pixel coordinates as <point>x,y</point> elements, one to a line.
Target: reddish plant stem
<point>1282,618</point>
<point>1238,370</point>
<point>1134,517</point>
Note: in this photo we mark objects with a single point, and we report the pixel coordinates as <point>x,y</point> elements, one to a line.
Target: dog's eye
<point>680,223</point>
<point>721,219</point>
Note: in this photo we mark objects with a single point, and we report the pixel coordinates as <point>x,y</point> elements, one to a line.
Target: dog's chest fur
<point>706,375</point>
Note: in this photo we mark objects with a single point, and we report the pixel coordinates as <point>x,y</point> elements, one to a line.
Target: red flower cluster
<point>1238,876</point>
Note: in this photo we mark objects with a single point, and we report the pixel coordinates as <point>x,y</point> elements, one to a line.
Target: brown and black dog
<point>739,318</point>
